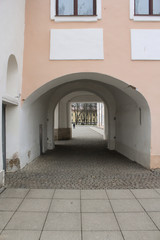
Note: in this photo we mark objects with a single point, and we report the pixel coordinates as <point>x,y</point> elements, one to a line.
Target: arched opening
<point>10,116</point>
<point>78,107</point>
<point>128,114</point>
<point>12,84</point>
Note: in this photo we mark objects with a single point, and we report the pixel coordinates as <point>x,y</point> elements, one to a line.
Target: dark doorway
<point>41,138</point>
<point>4,135</point>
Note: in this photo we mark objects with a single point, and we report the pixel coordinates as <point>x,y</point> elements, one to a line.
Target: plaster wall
<point>56,117</point>
<point>12,17</point>
<point>132,129</point>
<point>145,44</point>
<point>132,135</point>
<point>31,118</point>
<point>116,25</point>
<point>76,44</point>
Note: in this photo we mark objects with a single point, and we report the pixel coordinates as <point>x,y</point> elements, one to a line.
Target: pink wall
<point>38,69</point>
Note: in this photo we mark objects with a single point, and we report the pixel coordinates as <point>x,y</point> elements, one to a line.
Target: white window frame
<point>75,18</point>
<point>141,18</point>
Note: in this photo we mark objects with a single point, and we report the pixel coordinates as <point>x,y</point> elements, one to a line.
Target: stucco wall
<point>116,25</point>
<point>131,135</point>
<point>31,118</point>
<point>12,17</point>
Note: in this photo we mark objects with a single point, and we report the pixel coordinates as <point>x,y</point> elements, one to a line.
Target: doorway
<point>4,135</point>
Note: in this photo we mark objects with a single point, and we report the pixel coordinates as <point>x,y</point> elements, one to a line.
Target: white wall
<point>76,44</point>
<point>12,17</point>
<point>56,117</point>
<point>31,117</point>
<point>133,131</point>
<point>145,44</point>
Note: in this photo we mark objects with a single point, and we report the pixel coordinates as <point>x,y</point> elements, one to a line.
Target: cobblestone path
<point>83,163</point>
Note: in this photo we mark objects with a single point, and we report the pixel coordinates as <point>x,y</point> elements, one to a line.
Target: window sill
<point>146,18</point>
<point>75,18</point>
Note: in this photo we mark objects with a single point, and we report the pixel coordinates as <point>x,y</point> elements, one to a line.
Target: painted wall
<point>132,131</point>
<point>12,17</point>
<point>31,118</point>
<point>116,25</point>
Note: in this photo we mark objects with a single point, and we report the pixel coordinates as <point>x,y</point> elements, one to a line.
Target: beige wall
<point>144,75</point>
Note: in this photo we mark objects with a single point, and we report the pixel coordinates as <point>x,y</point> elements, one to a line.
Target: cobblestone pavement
<point>83,163</point>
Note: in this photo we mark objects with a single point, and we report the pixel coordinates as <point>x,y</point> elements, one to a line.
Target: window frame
<point>76,10</point>
<point>150,10</point>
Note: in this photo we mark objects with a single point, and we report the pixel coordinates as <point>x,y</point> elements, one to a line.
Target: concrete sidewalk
<point>47,214</point>
<point>98,130</point>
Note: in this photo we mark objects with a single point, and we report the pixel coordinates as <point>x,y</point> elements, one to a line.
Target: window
<point>147,7</point>
<point>76,8</point>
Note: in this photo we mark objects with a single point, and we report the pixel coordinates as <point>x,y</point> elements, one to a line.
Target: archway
<point>11,116</point>
<point>12,84</point>
<point>128,113</point>
<point>62,113</point>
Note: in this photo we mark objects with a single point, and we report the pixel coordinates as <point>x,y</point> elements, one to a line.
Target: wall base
<point>133,154</point>
<point>62,134</point>
<point>2,175</point>
<point>155,161</point>
<point>13,164</point>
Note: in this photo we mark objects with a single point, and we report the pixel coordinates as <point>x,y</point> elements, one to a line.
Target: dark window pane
<point>142,7</point>
<point>156,6</point>
<point>85,7</point>
<point>65,7</point>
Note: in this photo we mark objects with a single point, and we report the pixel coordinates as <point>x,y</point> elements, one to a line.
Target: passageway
<point>83,163</point>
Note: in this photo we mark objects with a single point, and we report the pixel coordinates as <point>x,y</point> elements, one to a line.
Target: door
<point>4,135</point>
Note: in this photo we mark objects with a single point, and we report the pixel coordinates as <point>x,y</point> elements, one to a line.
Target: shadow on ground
<point>83,163</point>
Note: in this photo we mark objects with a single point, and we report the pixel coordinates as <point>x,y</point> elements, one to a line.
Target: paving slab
<point>63,222</point>
<point>141,235</point>
<point>19,235</point>
<point>120,194</point>
<point>63,235</point>
<point>135,221</point>
<point>67,194</point>
<point>150,205</point>
<point>99,222</point>
<point>35,205</point>
<point>4,218</point>
<point>26,221</point>
<point>40,193</point>
<point>155,217</point>
<point>65,205</point>
<point>9,204</point>
<point>93,206</point>
<point>102,235</point>
<point>126,205</point>
<point>158,190</point>
<point>93,194</point>
<point>145,193</point>
<point>14,193</point>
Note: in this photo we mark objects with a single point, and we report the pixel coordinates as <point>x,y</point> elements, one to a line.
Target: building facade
<point>100,115</point>
<point>84,113</point>
<point>54,51</point>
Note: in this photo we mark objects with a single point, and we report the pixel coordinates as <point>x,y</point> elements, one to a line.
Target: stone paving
<point>48,214</point>
<point>83,163</point>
